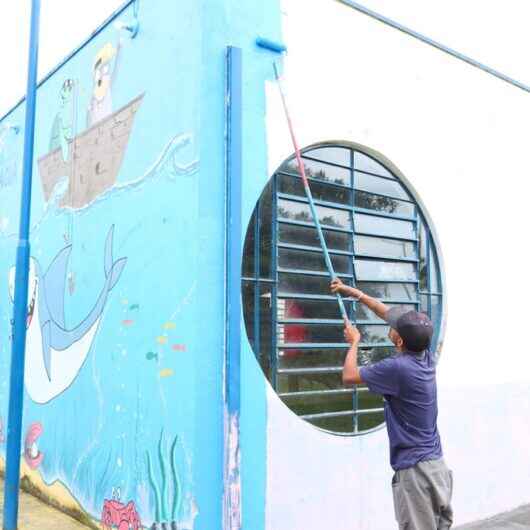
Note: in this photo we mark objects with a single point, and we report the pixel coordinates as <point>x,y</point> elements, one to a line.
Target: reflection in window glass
<point>296,211</point>
<point>383,226</point>
<point>334,155</point>
<point>372,184</point>
<point>375,354</point>
<point>374,334</point>
<point>390,291</point>
<point>308,381</point>
<point>321,192</point>
<point>423,258</point>
<point>436,308</point>
<point>307,235</point>
<point>384,270</point>
<point>319,171</point>
<point>363,162</point>
<point>316,333</point>
<point>307,358</point>
<point>248,309</point>
<point>292,320</point>
<point>247,269</point>
<point>315,309</point>
<point>433,274</point>
<point>424,303</point>
<point>363,314</point>
<point>313,261</point>
<point>265,233</point>
<point>265,328</point>
<point>369,201</point>
<point>386,248</point>
<point>296,283</point>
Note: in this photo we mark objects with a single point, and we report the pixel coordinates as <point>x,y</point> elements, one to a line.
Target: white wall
<point>460,137</point>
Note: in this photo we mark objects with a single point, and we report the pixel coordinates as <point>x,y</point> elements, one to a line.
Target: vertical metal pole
<point>428,265</point>
<point>274,353</point>
<point>232,479</point>
<point>16,384</point>
<point>257,283</point>
<point>355,396</point>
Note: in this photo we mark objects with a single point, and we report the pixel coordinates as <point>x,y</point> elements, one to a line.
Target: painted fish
<point>127,322</point>
<point>134,307</point>
<point>161,339</point>
<point>178,347</point>
<point>169,325</point>
<point>166,372</point>
<point>151,355</point>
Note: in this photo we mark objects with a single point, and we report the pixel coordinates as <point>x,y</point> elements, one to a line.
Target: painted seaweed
<point>164,497</point>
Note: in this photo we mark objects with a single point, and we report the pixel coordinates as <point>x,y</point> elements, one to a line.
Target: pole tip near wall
<point>276,47</point>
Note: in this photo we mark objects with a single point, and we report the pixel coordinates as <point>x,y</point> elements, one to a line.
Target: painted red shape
<point>127,322</point>
<point>178,347</point>
<point>124,517</point>
<point>32,455</point>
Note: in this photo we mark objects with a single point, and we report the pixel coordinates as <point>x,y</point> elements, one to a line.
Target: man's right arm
<point>373,304</point>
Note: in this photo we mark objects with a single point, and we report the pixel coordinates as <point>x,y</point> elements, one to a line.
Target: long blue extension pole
<point>16,384</point>
<point>301,170</point>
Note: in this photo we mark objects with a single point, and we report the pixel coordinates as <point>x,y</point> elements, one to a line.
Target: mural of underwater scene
<point>108,423</point>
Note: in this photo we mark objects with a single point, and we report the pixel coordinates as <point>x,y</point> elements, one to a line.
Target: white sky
<point>64,25</point>
<point>494,32</point>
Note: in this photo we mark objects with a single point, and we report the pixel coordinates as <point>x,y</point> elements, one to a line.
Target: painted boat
<point>94,159</point>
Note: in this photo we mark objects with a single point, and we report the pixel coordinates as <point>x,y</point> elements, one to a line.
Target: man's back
<point>408,383</point>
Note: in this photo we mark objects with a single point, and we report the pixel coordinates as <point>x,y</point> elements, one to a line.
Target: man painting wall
<point>422,484</point>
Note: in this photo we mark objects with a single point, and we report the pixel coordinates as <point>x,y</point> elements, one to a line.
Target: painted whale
<point>54,353</point>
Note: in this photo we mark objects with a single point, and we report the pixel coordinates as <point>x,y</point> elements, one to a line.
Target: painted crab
<point>117,515</point>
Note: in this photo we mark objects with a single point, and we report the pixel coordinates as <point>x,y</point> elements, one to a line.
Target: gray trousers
<point>422,496</point>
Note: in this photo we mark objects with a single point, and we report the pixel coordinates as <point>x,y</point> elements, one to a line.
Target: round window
<point>378,239</point>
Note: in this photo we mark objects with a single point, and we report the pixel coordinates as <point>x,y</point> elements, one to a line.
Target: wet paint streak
<point>232,500</point>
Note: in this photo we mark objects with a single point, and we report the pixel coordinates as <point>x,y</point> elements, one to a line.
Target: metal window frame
<point>417,221</point>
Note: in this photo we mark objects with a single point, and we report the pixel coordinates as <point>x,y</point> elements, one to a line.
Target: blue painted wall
<point>149,386</point>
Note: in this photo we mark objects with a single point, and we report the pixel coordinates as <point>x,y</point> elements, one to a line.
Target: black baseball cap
<point>414,328</point>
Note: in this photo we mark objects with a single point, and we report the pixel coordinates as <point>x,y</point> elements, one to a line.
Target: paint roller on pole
<point>301,170</point>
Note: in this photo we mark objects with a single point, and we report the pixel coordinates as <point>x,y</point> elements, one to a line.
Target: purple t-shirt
<point>408,384</point>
